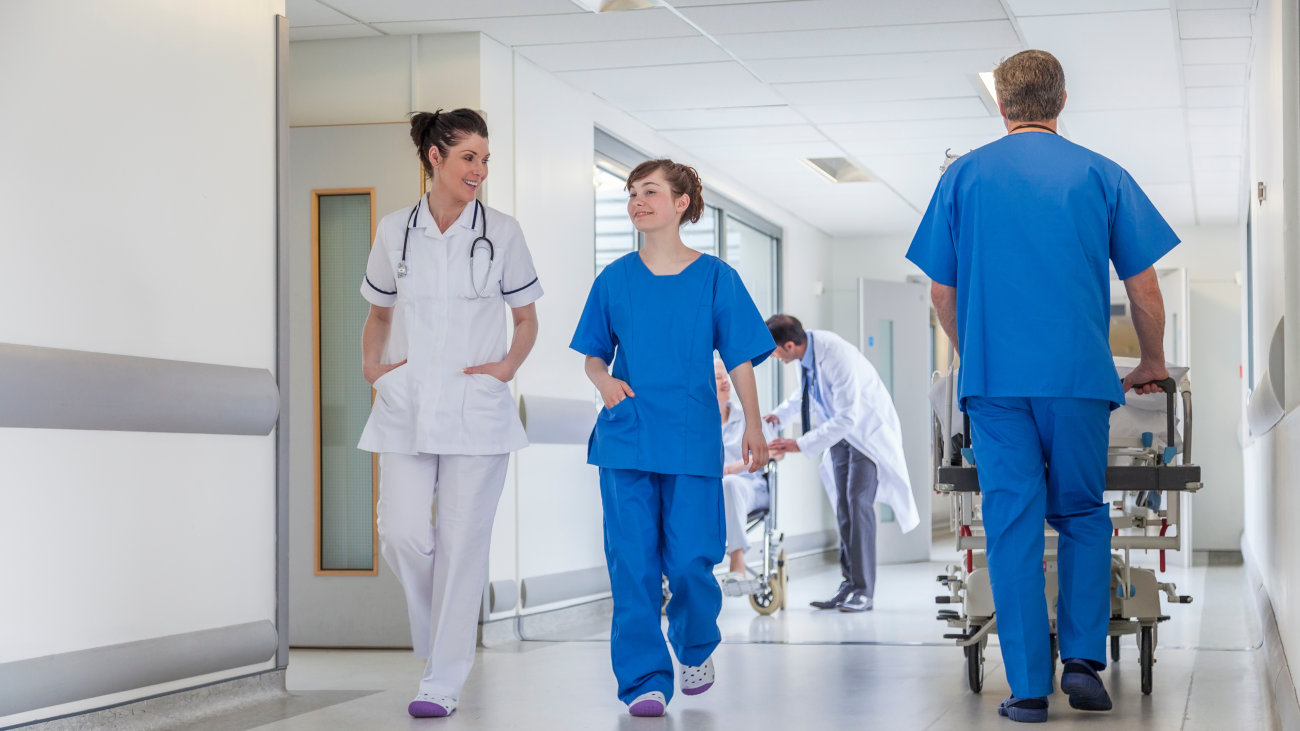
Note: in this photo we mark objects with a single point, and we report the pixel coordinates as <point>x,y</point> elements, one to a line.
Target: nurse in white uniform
<point>444,422</point>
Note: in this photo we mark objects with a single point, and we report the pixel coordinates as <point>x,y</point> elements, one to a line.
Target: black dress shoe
<point>857,601</point>
<point>834,601</point>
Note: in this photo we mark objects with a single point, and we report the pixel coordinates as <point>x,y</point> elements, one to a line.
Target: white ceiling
<point>1158,85</point>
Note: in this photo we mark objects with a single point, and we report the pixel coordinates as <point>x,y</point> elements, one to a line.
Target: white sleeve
<point>379,287</point>
<point>519,282</point>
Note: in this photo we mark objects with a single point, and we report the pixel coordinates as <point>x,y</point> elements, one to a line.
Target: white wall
<point>1271,500</point>
<point>142,223</point>
<point>542,143</point>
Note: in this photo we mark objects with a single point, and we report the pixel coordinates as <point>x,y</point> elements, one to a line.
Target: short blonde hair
<point>1031,86</point>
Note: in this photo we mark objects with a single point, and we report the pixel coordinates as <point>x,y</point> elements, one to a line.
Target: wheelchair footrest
<point>741,587</point>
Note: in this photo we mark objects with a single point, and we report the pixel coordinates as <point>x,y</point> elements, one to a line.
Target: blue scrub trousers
<point>661,525</point>
<point>1042,458</point>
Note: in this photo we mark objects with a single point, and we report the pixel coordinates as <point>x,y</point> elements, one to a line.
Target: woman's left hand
<point>753,447</point>
<point>499,370</point>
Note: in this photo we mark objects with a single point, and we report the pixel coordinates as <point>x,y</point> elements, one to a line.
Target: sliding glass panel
<point>703,234</point>
<point>753,254</point>
<point>615,235</point>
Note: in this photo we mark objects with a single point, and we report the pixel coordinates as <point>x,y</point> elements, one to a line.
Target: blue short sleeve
<point>739,332</point>
<point>1139,235</point>
<point>933,248</point>
<point>594,337</point>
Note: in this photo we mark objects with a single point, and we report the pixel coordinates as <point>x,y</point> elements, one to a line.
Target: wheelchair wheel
<point>1147,656</point>
<point>770,599</point>
<point>975,665</point>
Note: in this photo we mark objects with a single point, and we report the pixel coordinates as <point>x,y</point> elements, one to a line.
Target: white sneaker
<point>648,704</point>
<point>695,679</point>
<point>427,705</point>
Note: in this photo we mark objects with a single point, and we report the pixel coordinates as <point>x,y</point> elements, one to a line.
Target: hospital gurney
<point>1149,472</point>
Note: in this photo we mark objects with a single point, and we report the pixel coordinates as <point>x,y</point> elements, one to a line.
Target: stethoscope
<point>403,269</point>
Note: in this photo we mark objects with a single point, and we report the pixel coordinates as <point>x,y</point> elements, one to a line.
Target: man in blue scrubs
<point>1018,240</point>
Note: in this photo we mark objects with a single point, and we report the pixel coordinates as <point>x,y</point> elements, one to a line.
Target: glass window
<point>753,254</point>
<point>346,474</point>
<point>615,235</point>
<point>703,234</point>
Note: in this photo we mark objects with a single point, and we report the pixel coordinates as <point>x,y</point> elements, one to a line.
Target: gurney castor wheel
<point>1114,648</point>
<point>975,665</point>
<point>1146,656</point>
<point>1056,652</point>
<point>770,599</point>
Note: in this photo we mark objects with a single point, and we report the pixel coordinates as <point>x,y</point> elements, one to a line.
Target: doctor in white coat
<point>440,276</point>
<point>859,443</point>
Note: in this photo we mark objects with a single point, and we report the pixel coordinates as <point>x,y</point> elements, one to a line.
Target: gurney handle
<point>1170,387</point>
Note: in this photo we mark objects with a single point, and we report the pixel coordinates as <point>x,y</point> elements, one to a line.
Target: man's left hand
<point>781,445</point>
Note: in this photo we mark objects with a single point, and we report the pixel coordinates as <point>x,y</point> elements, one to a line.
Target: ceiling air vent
<point>838,170</point>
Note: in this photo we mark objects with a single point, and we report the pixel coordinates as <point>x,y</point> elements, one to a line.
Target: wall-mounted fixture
<point>1261,191</point>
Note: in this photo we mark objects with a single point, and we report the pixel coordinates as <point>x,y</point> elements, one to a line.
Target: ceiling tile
<point>879,66</point>
<point>331,32</point>
<point>1154,152</point>
<point>822,14</point>
<point>891,111</point>
<point>1214,23</point>
<point>1026,8</point>
<point>1174,201</point>
<point>1214,4</point>
<point>850,41</point>
<point>877,90</point>
<point>624,53</point>
<point>756,136</point>
<point>1215,116</point>
<point>1137,71</point>
<point>990,127</point>
<point>689,86</point>
<point>1218,200</point>
<point>1215,74</point>
<point>1216,96</point>
<point>1216,50</point>
<point>530,30</point>
<point>1216,140</point>
<point>387,11</point>
<point>727,117</point>
<point>304,13</point>
<point>1222,166</point>
<point>915,145</point>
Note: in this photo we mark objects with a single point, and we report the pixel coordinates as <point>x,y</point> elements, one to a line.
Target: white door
<point>894,334</point>
<point>341,593</point>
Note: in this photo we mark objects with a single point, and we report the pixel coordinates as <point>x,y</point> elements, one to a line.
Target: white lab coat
<point>860,411</point>
<point>429,405</point>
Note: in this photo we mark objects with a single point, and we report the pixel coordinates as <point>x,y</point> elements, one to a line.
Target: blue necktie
<point>804,406</point>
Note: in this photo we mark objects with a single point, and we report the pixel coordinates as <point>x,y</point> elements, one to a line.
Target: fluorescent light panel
<point>610,6</point>
<point>838,170</point>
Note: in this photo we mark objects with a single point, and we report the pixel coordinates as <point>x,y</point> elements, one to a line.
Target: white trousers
<point>741,494</point>
<point>441,565</point>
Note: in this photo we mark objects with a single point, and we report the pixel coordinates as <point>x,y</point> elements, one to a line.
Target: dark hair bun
<point>444,130</point>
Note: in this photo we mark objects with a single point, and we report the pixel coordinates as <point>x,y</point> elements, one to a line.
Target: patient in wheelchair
<point>743,492</point>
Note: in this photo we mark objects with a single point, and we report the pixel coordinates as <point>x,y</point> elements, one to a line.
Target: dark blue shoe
<point>1024,710</point>
<point>1079,679</point>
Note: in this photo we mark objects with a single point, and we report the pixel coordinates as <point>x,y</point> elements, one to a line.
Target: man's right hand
<point>612,391</point>
<point>1145,373</point>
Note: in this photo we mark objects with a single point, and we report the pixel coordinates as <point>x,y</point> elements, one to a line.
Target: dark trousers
<point>855,498</point>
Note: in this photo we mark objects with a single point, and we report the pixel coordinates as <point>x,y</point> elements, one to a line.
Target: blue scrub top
<point>661,332</point>
<point>1026,229</point>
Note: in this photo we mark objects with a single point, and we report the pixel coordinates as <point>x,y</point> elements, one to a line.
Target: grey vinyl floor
<point>799,669</point>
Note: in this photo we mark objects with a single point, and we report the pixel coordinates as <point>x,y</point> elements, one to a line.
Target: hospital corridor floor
<point>798,669</point>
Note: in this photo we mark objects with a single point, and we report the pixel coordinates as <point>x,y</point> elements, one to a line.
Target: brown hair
<point>1031,86</point>
<point>444,130</point>
<point>682,180</point>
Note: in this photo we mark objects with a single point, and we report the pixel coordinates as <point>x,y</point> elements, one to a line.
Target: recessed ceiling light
<point>990,91</point>
<point>838,170</point>
<point>609,6</point>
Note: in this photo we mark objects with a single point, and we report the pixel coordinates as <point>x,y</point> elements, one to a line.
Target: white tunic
<point>441,327</point>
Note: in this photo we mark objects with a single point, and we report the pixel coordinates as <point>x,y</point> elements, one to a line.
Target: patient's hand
<point>733,468</point>
<point>771,419</point>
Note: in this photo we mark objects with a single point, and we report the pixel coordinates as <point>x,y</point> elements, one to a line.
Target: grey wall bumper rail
<point>52,388</point>
<point>42,682</point>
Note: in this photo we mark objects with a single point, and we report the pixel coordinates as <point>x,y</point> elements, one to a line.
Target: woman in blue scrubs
<point>659,314</point>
